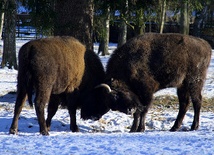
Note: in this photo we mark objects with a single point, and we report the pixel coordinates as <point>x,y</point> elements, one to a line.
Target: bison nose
<point>95,118</point>
<point>131,111</point>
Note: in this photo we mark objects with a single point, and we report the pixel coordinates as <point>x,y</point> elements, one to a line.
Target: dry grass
<point>171,102</point>
<point>165,102</point>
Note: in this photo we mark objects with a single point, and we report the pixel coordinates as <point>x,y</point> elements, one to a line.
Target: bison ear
<point>105,86</point>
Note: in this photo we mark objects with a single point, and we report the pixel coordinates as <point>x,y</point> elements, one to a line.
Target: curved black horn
<point>105,86</point>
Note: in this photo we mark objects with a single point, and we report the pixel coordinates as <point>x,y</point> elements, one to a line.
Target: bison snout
<point>131,111</point>
<point>94,118</point>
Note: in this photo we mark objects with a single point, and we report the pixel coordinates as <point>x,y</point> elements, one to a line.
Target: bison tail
<point>30,89</point>
<point>29,94</point>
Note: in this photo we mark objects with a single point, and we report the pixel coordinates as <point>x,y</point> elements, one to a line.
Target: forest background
<point>100,20</point>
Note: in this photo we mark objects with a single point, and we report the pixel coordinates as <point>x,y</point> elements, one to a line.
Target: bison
<point>151,62</point>
<point>57,69</point>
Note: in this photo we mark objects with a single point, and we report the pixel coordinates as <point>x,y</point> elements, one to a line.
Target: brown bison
<point>54,68</point>
<point>148,63</point>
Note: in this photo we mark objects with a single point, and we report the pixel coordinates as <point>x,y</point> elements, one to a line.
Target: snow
<point>109,135</point>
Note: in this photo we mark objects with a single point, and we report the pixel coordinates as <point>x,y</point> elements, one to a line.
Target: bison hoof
<point>173,129</point>
<point>133,130</point>
<point>75,129</point>
<point>194,128</point>
<point>140,129</point>
<point>49,128</point>
<point>44,133</point>
<point>13,131</point>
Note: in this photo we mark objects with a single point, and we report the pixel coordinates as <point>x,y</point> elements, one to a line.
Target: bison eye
<point>115,97</point>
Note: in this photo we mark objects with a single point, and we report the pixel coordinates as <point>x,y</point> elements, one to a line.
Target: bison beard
<point>148,63</point>
<point>59,70</point>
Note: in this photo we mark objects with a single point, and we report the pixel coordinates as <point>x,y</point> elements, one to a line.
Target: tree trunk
<point>200,21</point>
<point>184,20</point>
<point>104,41</point>
<point>2,5</point>
<point>75,18</point>
<point>9,49</point>
<point>163,14</point>
<point>122,37</point>
<point>1,23</point>
<point>139,27</point>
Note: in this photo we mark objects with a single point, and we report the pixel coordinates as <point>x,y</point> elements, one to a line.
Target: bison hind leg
<point>20,100</point>
<point>52,109</point>
<point>42,97</point>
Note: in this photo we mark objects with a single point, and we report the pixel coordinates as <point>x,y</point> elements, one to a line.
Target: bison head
<point>94,105</point>
<point>121,99</point>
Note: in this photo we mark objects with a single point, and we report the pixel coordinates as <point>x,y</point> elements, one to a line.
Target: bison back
<point>54,62</point>
<point>164,59</point>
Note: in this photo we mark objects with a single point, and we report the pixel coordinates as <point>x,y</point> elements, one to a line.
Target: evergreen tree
<point>2,7</point>
<point>9,50</point>
<point>75,18</point>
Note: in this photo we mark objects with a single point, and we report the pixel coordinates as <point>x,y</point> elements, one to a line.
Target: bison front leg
<point>136,122</point>
<point>72,107</point>
<point>73,124</point>
<point>183,97</point>
<point>139,120</point>
<point>140,114</point>
<point>141,127</point>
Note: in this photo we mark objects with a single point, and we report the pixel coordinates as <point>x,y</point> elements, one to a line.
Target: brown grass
<point>171,102</point>
<point>165,102</point>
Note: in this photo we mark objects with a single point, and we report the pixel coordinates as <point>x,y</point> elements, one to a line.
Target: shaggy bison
<point>93,76</point>
<point>148,63</point>
<point>57,70</point>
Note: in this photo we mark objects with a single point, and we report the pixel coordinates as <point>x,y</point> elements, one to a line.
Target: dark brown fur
<point>93,75</point>
<point>50,66</point>
<point>151,62</point>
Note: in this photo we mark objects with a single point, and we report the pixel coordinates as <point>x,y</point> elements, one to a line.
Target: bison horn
<point>105,86</point>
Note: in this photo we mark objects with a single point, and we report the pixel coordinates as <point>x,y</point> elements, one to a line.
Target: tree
<point>162,4</point>
<point>75,18</point>
<point>102,24</point>
<point>2,5</point>
<point>122,37</point>
<point>187,6</point>
<point>184,18</point>
<point>135,13</point>
<point>137,18</point>
<point>9,49</point>
<point>201,17</point>
<point>42,15</point>
<point>104,37</point>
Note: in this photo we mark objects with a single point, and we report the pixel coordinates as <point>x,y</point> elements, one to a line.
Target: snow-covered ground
<point>109,135</point>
